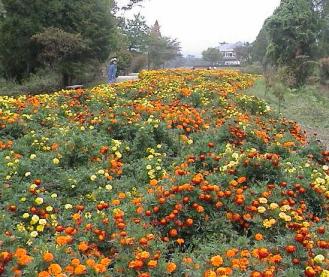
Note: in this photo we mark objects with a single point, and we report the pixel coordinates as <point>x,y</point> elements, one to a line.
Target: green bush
<point>41,81</point>
<point>324,71</point>
<point>255,68</point>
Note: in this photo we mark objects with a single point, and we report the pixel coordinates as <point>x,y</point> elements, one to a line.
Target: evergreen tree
<point>136,32</point>
<point>161,49</point>
<point>90,18</point>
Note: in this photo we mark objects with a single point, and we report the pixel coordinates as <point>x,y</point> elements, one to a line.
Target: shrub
<point>324,71</point>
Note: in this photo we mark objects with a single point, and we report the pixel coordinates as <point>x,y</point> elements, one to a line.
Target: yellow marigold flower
<point>55,161</point>
<point>26,215</point>
<point>34,234</point>
<point>38,201</point>
<point>40,228</point>
<point>42,221</point>
<point>262,200</point>
<point>319,259</point>
<point>325,273</point>
<point>261,209</point>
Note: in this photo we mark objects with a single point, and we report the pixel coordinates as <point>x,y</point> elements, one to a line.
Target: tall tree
<point>212,55</point>
<point>161,49</point>
<point>293,31</point>
<point>259,46</point>
<point>136,32</point>
<point>90,18</point>
<point>323,8</point>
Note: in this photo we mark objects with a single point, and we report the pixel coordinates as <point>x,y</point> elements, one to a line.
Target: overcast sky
<point>199,24</point>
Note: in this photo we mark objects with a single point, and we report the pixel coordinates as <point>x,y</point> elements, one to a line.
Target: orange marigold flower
<point>187,260</point>
<point>210,273</point>
<point>17,273</point>
<point>144,255</point>
<point>116,202</point>
<point>216,260</point>
<point>152,263</point>
<point>69,269</point>
<point>153,182</point>
<point>259,237</point>
<point>80,270</point>
<point>76,217</point>
<point>48,257</point>
<point>75,262</point>
<point>136,264</point>
<point>171,267</point>
<point>90,262</point>
<point>241,179</point>
<point>44,274</point>
<point>99,268</point>
<point>224,271</point>
<point>276,258</point>
<point>20,252</point>
<point>83,246</point>
<point>105,261</point>
<point>245,253</point>
<point>231,252</point>
<point>144,274</point>
<point>62,240</point>
<point>200,209</point>
<point>24,260</point>
<point>54,269</point>
<point>180,241</point>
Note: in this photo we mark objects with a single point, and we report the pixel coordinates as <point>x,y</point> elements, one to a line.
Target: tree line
<point>73,38</point>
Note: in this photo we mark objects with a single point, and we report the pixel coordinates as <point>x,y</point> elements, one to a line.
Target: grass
<point>308,106</point>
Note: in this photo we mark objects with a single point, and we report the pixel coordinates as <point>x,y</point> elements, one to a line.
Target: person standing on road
<point>112,70</point>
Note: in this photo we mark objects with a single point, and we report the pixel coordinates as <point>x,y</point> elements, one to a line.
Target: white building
<point>229,53</point>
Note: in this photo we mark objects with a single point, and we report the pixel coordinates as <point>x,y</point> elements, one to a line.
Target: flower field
<point>177,174</point>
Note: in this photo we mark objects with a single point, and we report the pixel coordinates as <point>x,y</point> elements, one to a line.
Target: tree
<point>161,49</point>
<point>259,46</point>
<point>60,50</point>
<point>293,31</point>
<point>212,55</point>
<point>244,53</point>
<point>323,8</point>
<point>136,32</point>
<point>2,9</point>
<point>131,4</point>
<point>90,18</point>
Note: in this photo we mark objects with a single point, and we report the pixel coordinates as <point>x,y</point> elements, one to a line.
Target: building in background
<point>229,54</point>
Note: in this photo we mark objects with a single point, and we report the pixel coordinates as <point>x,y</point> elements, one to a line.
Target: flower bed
<point>178,174</point>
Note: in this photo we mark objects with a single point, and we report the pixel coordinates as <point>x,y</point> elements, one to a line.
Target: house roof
<point>229,47</point>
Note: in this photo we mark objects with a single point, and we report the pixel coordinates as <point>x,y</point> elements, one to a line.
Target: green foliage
<point>324,71</point>
<point>244,53</point>
<point>260,45</point>
<point>136,30</point>
<point>212,55</point>
<point>292,32</point>
<point>90,23</point>
<point>161,49</point>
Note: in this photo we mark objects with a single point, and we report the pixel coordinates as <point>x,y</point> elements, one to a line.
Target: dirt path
<point>126,78</point>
